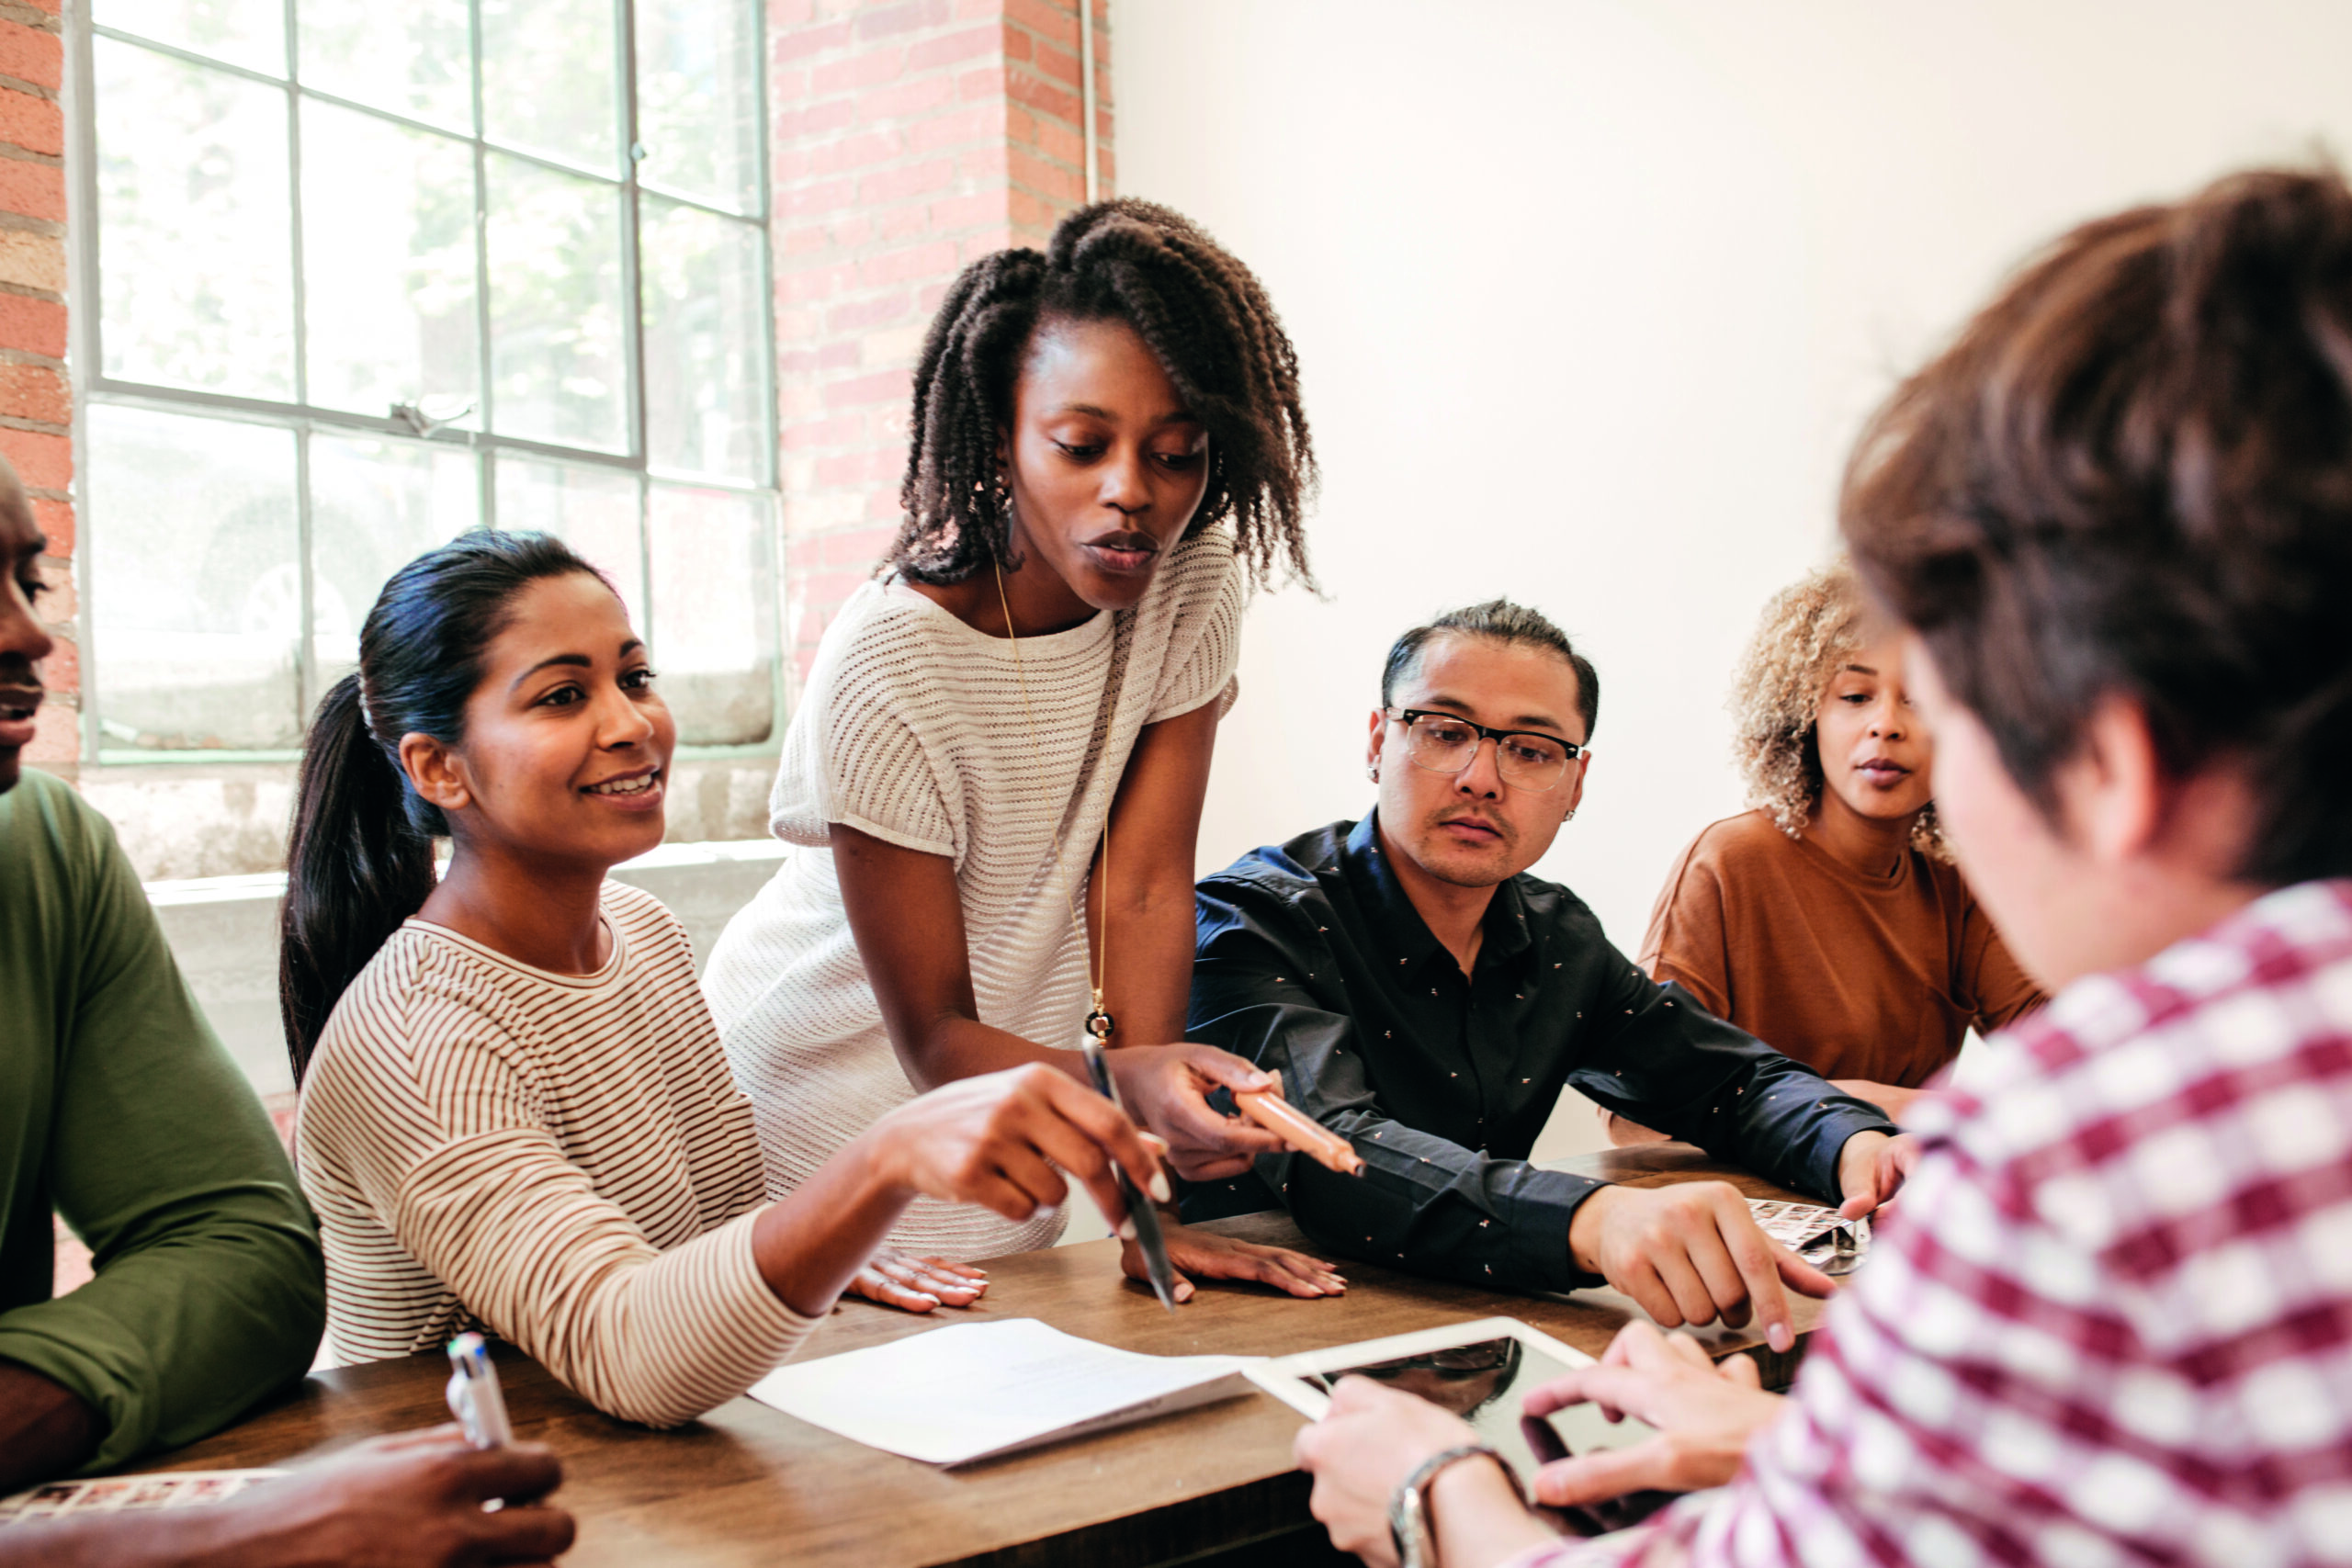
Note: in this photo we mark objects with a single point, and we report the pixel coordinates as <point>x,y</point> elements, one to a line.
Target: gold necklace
<point>1098,1019</point>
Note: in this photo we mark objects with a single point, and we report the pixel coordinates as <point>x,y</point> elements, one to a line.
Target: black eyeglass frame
<point>1406,716</point>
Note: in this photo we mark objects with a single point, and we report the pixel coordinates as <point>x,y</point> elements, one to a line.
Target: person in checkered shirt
<point>2111,1320</point>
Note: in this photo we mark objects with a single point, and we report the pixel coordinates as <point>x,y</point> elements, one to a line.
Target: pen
<point>1140,1214</point>
<point>474,1396</point>
<point>1300,1130</point>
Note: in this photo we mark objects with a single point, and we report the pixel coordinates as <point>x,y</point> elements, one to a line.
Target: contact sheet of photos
<point>1821,1236</point>
<point>116,1493</point>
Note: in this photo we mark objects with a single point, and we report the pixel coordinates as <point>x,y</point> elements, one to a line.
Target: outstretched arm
<point>907,914</point>
<point>1657,1057</point>
<point>1690,1253</point>
<point>1423,1201</point>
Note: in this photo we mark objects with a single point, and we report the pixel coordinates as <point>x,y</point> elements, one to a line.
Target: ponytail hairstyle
<point>360,861</point>
<point>1205,317</point>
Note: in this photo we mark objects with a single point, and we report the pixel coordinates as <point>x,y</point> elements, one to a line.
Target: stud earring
<point>1373,774</point>
<point>1571,816</point>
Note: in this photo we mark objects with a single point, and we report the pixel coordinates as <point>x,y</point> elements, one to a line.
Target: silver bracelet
<point>1409,1505</point>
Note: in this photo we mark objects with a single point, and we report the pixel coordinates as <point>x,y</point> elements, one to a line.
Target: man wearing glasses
<point>1422,997</point>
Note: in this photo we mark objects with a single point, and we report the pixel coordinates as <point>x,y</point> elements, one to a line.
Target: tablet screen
<point>1484,1381</point>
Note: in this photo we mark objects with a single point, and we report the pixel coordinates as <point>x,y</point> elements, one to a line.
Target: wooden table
<point>749,1485</point>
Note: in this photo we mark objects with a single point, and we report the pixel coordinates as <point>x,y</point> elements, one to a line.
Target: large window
<point>370,274</point>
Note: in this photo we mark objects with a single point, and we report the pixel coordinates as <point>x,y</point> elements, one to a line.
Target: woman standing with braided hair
<point>993,785</point>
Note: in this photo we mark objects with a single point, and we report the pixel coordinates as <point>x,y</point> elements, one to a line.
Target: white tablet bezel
<point>1284,1377</point>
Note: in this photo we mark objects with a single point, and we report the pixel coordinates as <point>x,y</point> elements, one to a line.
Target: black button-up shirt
<point>1314,964</point>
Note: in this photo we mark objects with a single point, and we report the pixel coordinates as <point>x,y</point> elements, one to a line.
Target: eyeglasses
<point>1447,743</point>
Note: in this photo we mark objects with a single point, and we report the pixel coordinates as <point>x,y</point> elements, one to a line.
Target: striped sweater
<point>561,1159</point>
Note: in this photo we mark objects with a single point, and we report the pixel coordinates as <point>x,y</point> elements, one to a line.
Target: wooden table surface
<point>751,1485</point>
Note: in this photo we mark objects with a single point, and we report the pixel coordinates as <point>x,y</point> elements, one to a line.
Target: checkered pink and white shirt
<point>2110,1321</point>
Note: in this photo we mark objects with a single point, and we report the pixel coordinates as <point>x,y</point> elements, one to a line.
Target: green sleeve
<point>209,1290</point>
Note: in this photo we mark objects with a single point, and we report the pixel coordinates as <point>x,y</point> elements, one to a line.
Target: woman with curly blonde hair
<point>1828,920</point>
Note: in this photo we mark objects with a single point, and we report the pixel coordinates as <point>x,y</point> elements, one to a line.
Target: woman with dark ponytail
<point>361,858</point>
<point>994,782</point>
<point>516,1110</point>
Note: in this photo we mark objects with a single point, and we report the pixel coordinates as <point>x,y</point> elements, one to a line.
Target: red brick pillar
<point>910,139</point>
<point>36,405</point>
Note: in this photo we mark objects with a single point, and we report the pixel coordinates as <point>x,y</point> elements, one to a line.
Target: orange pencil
<point>1301,1132</point>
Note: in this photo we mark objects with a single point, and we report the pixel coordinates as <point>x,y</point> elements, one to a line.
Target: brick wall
<point>36,406</point>
<point>909,138</point>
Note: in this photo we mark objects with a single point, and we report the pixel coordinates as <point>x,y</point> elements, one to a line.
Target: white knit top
<point>913,731</point>
<point>560,1158</point>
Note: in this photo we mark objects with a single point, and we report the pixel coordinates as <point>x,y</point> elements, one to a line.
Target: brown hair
<point>1805,635</point>
<point>2131,474</point>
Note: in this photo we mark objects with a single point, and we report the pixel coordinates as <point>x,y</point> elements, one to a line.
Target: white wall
<point>1591,298</point>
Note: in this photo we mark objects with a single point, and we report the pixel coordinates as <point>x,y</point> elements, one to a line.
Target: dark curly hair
<point>2132,475</point>
<point>1202,314</point>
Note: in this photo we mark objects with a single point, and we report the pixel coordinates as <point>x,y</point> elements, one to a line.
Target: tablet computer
<point>1481,1370</point>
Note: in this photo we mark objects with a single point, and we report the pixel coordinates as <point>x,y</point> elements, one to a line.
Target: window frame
<point>91,385</point>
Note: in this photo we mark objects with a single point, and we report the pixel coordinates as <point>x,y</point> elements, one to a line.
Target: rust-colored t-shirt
<point>1857,977</point>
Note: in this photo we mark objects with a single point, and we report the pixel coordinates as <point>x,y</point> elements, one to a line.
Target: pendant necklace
<point>1098,1019</point>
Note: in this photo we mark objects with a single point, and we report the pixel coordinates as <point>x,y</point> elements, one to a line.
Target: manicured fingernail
<point>1160,1192</point>
<point>1780,1337</point>
<point>1183,1292</point>
<point>1127,1230</point>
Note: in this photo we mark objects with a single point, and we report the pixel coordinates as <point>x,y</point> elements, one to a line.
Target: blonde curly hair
<point>1807,632</point>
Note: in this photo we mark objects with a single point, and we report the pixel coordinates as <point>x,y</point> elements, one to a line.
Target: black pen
<point>1140,1214</point>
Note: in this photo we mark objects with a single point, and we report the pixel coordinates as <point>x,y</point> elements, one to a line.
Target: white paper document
<point>977,1389</point>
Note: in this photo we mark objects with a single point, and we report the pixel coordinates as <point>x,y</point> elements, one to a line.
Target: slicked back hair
<point>1203,316</point>
<point>2130,476</point>
<point>1497,620</point>
<point>359,861</point>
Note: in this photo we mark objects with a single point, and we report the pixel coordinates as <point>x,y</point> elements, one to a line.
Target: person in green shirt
<point>121,1110</point>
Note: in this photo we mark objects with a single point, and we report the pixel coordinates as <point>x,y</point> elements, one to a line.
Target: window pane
<point>547,79</point>
<point>704,343</point>
<point>593,510</point>
<point>250,32</point>
<point>195,583</point>
<point>412,58</point>
<point>387,250</point>
<point>714,613</point>
<point>375,506</point>
<point>557,369</point>
<point>194,254</point>
<point>697,88</point>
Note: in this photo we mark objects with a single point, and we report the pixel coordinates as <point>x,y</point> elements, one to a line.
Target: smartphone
<point>1547,1442</point>
<point>474,1396</point>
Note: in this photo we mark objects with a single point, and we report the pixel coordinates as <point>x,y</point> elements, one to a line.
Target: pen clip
<point>1100,1070</point>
